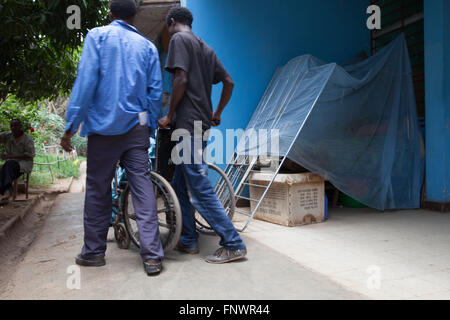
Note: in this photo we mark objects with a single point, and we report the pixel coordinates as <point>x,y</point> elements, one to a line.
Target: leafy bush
<point>47,127</point>
<point>12,109</point>
<point>38,52</point>
<point>41,176</point>
<point>80,144</point>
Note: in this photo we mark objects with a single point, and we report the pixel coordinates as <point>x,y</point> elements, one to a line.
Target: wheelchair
<point>169,211</point>
<point>123,218</point>
<point>223,187</point>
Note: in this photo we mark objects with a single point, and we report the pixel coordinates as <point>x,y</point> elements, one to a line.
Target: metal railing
<point>58,152</point>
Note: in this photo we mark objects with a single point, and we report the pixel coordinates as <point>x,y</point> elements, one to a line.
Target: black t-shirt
<point>204,69</point>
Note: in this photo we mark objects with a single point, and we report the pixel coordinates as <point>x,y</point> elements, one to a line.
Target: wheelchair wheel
<point>121,235</point>
<point>169,213</point>
<point>224,191</point>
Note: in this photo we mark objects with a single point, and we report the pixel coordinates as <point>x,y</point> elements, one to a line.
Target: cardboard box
<point>293,199</point>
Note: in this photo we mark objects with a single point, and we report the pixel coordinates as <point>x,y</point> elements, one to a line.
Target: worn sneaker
<point>152,267</point>
<point>182,249</point>
<point>97,261</point>
<point>224,255</point>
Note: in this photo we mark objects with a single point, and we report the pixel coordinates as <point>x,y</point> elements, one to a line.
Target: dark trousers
<point>103,155</point>
<point>8,173</point>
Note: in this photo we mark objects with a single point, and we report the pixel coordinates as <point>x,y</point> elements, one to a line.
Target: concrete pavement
<point>397,255</point>
<point>49,264</point>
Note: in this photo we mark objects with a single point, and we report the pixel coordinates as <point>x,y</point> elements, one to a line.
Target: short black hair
<point>16,120</point>
<point>181,15</point>
<point>123,9</point>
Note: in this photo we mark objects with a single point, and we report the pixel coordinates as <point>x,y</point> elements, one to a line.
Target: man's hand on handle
<point>66,141</point>
<point>215,121</point>
<point>164,122</point>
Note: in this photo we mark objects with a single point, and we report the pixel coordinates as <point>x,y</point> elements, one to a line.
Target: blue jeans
<point>192,179</point>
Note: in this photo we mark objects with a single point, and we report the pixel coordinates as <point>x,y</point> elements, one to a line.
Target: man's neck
<point>130,22</point>
<point>18,136</point>
<point>184,28</point>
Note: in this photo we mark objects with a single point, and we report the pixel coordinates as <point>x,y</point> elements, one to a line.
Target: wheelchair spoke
<point>165,225</point>
<point>168,210</point>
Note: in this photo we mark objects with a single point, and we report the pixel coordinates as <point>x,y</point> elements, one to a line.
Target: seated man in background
<point>19,154</point>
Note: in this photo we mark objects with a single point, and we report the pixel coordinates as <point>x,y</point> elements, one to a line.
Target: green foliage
<point>41,177</point>
<point>12,109</point>
<point>80,144</point>
<point>48,127</point>
<point>38,53</point>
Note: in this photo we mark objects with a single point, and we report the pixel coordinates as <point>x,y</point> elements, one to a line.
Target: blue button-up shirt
<point>119,76</point>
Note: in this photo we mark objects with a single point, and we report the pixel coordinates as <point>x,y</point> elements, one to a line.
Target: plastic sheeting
<point>355,125</point>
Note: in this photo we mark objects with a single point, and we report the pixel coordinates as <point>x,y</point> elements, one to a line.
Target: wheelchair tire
<point>225,192</point>
<point>122,236</point>
<point>169,213</point>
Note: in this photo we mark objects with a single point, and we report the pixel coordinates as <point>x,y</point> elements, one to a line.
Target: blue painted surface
<point>253,37</point>
<point>437,88</point>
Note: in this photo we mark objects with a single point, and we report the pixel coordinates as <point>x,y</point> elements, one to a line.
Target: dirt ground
<point>21,221</point>
<point>16,240</point>
<point>44,271</point>
<point>14,208</point>
<point>35,254</point>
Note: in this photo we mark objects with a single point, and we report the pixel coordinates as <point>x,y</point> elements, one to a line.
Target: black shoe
<point>152,267</point>
<point>224,255</point>
<point>97,261</point>
<point>187,250</point>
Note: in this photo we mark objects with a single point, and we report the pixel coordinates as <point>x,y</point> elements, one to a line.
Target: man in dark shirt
<point>196,68</point>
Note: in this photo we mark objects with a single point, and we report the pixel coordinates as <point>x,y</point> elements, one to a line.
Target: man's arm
<point>227,91</point>
<point>16,156</point>
<point>154,90</point>
<point>178,62</point>
<point>83,90</point>
<point>179,85</point>
<point>4,136</point>
<point>221,75</point>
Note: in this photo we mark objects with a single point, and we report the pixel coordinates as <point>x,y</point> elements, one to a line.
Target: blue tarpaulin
<point>355,125</point>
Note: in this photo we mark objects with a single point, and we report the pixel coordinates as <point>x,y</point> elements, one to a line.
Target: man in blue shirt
<point>117,100</point>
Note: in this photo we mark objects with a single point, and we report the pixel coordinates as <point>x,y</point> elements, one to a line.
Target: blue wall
<point>253,37</point>
<point>437,88</point>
